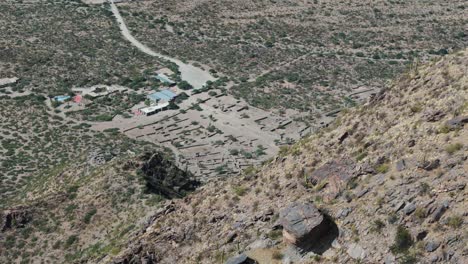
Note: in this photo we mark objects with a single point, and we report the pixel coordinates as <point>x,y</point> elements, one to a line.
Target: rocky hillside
<point>80,211</point>
<point>386,183</point>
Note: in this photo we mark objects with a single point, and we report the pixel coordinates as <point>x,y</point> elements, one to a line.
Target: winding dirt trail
<point>193,75</point>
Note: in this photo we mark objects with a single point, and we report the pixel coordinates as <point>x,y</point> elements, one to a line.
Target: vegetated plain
<point>80,192</point>
<point>306,55</point>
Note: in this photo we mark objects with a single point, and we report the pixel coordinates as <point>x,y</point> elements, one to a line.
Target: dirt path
<point>193,75</point>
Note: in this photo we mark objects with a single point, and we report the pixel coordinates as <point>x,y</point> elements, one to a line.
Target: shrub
<point>89,215</point>
<point>403,240</point>
<point>444,129</point>
<point>420,213</point>
<point>275,234</point>
<point>383,168</point>
<point>424,188</point>
<point>452,148</point>
<point>377,226</point>
<point>455,221</point>
<point>240,190</point>
<point>185,85</point>
<point>71,240</point>
<point>277,255</point>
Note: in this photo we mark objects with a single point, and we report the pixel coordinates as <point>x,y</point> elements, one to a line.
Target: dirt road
<point>195,76</point>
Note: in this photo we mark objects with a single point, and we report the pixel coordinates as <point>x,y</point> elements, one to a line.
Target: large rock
<point>240,259</point>
<point>337,173</point>
<point>356,251</point>
<point>165,178</point>
<point>457,122</point>
<point>305,226</point>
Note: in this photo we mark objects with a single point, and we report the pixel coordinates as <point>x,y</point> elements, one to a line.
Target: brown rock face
<point>336,173</point>
<point>303,225</point>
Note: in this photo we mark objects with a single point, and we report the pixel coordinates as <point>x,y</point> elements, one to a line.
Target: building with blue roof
<point>164,95</point>
<point>62,98</point>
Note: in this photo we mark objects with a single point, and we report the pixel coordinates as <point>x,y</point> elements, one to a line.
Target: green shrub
<point>277,255</point>
<point>452,148</point>
<point>383,168</point>
<point>71,240</point>
<point>455,221</point>
<point>403,240</point>
<point>240,190</point>
<point>377,226</point>
<point>275,234</point>
<point>89,215</point>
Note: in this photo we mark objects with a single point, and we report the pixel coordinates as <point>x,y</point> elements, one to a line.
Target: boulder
<point>457,122</point>
<point>337,173</point>
<point>305,226</point>
<point>431,246</point>
<point>355,251</point>
<point>409,208</point>
<point>411,143</point>
<point>240,259</point>
<point>401,165</point>
<point>163,177</point>
<point>429,164</point>
<point>438,212</point>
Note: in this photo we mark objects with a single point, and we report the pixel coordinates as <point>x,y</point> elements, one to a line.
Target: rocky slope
<point>390,177</point>
<point>81,211</point>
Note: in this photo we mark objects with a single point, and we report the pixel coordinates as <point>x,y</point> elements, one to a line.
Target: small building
<point>164,96</point>
<point>165,79</point>
<point>62,98</point>
<point>147,111</point>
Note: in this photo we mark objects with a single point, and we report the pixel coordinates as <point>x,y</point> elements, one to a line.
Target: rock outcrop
<point>304,226</point>
<point>164,178</point>
<point>14,218</point>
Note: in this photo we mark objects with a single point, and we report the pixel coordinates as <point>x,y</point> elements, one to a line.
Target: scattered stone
<point>240,259</point>
<point>264,216</point>
<point>433,115</point>
<point>355,251</point>
<point>457,122</point>
<point>401,165</point>
<point>452,239</point>
<point>389,259</point>
<point>343,137</point>
<point>343,213</point>
<point>429,165</point>
<point>230,237</point>
<point>411,143</point>
<point>336,244</point>
<point>420,235</point>
<point>409,208</point>
<point>261,243</point>
<point>399,206</point>
<point>362,192</point>
<point>438,212</point>
<point>431,246</point>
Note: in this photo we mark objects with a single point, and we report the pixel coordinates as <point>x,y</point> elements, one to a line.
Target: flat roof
<point>61,98</point>
<point>164,78</point>
<point>151,109</point>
